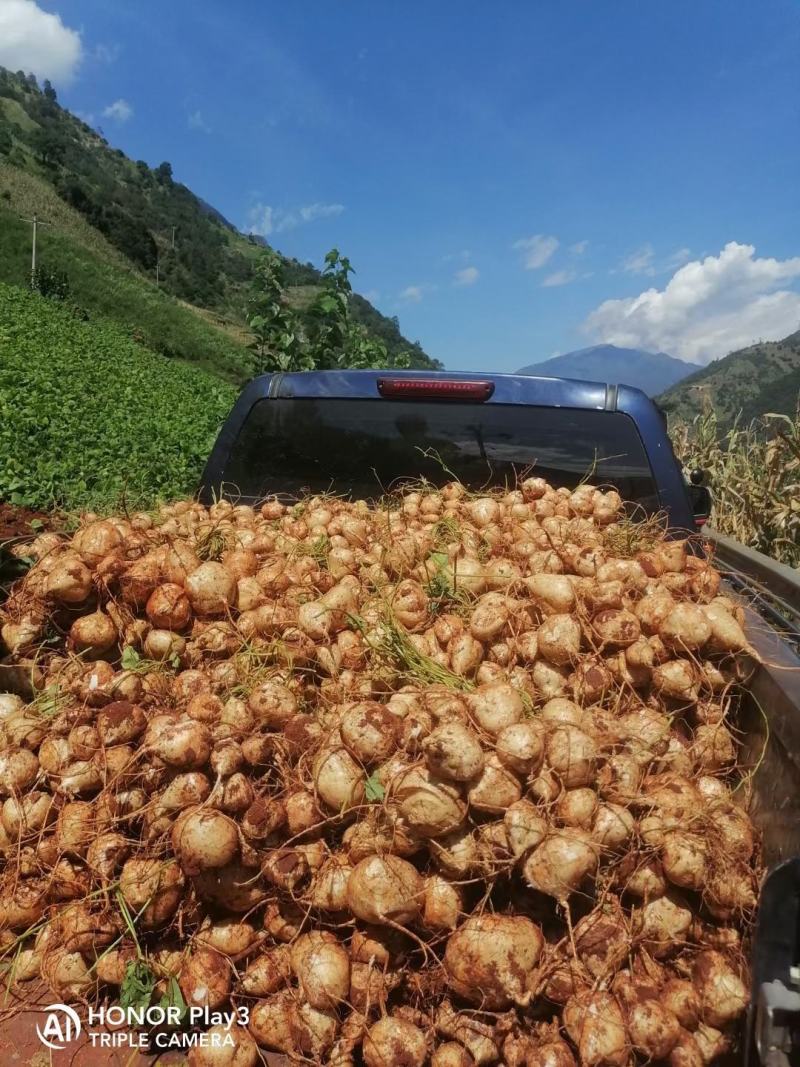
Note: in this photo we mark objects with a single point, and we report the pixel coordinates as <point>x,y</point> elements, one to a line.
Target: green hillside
<point>103,283</point>
<point>125,214</point>
<point>762,378</point>
<point>88,415</point>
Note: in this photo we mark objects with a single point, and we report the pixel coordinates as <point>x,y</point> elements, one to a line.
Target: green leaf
<point>48,702</point>
<point>137,985</point>
<point>173,998</point>
<point>130,659</point>
<point>36,524</point>
<point>373,790</point>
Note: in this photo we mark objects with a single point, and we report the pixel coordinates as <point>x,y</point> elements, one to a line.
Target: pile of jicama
<point>447,779</point>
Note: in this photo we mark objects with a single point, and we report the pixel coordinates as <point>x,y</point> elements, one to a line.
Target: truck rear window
<point>365,447</point>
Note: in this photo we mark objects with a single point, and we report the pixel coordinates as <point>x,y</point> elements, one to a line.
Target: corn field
<point>753,472</point>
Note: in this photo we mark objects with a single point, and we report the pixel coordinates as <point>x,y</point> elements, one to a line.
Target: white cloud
<point>35,40</point>
<point>259,220</point>
<point>536,250</point>
<point>264,219</point>
<point>678,258</point>
<point>579,248</point>
<point>311,212</point>
<point>559,277</point>
<point>119,111</point>
<point>197,122</point>
<point>467,276</point>
<point>412,293</point>
<point>708,308</point>
<point>640,261</point>
<point>106,53</point>
<point>463,256</point>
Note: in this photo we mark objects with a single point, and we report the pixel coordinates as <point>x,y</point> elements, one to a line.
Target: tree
<point>49,145</point>
<point>130,236</point>
<point>276,335</point>
<point>76,194</point>
<point>329,315</point>
<point>325,336</point>
<point>49,91</point>
<point>163,173</point>
<point>337,339</point>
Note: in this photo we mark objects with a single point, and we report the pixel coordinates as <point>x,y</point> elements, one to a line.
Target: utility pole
<point>36,224</point>
<point>34,220</point>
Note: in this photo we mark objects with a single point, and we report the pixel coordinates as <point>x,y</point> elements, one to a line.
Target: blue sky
<point>512,180</point>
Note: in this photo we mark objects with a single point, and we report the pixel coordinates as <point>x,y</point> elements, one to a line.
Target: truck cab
<point>362,432</point>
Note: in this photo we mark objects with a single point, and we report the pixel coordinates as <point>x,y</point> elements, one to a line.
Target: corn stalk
<point>753,471</point>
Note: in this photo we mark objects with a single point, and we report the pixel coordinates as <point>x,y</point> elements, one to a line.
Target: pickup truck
<point>360,432</point>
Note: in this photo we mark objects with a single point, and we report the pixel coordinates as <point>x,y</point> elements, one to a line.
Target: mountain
<point>763,377</point>
<point>131,225</point>
<point>652,372</point>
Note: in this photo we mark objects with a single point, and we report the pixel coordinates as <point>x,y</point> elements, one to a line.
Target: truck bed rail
<point>772,588</point>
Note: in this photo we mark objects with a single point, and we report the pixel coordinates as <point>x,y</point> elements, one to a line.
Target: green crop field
<point>88,416</point>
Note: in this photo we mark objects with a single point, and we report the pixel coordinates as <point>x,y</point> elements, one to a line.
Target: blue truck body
<point>526,391</point>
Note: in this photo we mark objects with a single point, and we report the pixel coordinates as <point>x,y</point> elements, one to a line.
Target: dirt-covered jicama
<point>443,779</point>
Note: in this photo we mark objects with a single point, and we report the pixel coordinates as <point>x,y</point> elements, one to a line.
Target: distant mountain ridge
<point>652,372</point>
<point>754,380</point>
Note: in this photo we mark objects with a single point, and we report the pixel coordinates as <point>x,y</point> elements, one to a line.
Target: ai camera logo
<point>61,1026</point>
